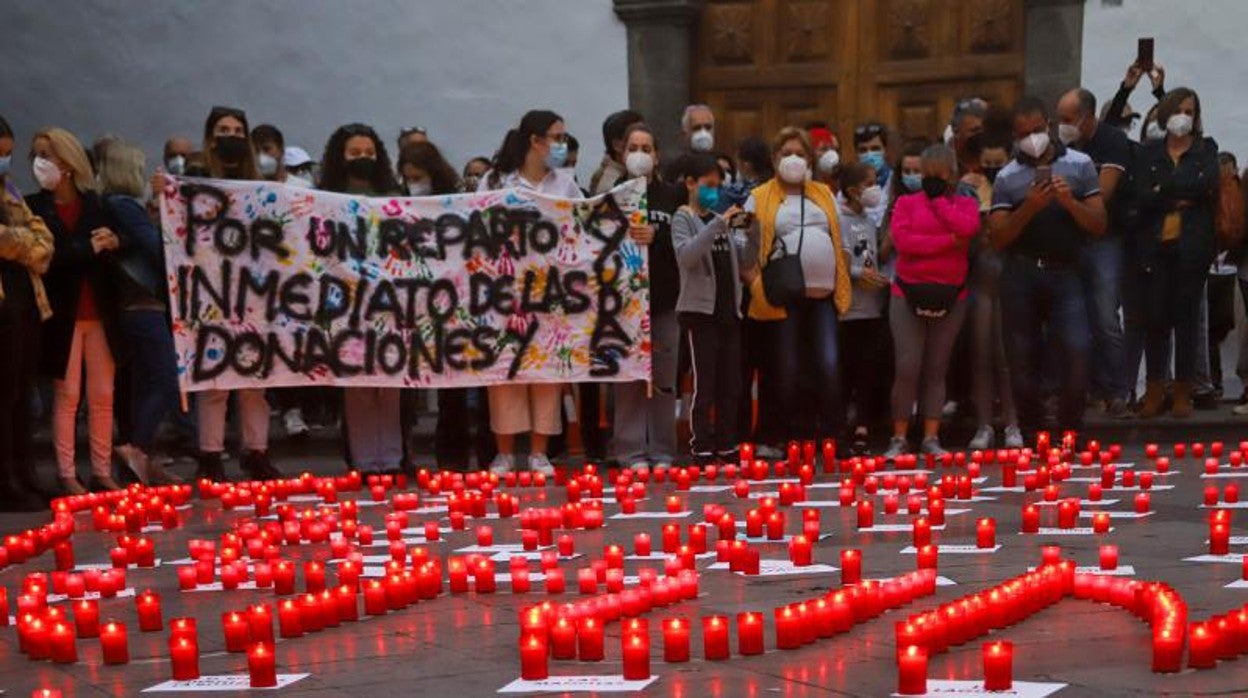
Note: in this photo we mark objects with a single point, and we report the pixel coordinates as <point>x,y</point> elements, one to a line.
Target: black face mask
<point>934,187</point>
<point>974,145</point>
<point>991,173</point>
<point>231,149</point>
<point>361,168</point>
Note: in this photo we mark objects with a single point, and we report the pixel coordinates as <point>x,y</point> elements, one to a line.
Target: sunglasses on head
<point>869,131</point>
<point>412,130</point>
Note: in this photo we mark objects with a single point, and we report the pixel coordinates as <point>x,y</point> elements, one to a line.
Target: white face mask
<point>639,163</point>
<point>47,174</point>
<point>828,161</point>
<point>792,169</point>
<point>1154,131</point>
<point>1179,125</point>
<point>1034,144</point>
<point>176,165</point>
<point>1068,133</point>
<point>420,188</point>
<point>267,164</point>
<point>872,196</point>
<point>702,140</point>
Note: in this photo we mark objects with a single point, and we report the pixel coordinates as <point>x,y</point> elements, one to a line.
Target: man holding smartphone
<point>1046,205</point>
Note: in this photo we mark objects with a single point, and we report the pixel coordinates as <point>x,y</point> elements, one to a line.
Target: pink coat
<point>932,236</point>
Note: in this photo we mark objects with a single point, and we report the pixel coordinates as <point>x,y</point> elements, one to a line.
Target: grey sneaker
<point>896,447</point>
<point>931,445</point>
<point>765,452</point>
<point>983,438</point>
<point>1013,436</point>
<point>502,464</point>
<point>539,463</point>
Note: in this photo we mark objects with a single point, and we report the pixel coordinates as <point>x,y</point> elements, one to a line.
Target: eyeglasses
<point>412,130</point>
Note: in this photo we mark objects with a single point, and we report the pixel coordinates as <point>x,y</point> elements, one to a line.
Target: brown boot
<point>1182,400</point>
<point>71,486</point>
<point>154,475</point>
<point>1154,398</point>
<point>104,482</point>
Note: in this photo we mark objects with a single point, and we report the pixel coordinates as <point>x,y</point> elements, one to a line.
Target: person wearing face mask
<point>1046,204</point>
<point>424,172</point>
<point>299,164</point>
<point>270,147</point>
<point>611,170</point>
<point>798,216</point>
<point>228,154</point>
<point>645,425</point>
<point>932,231</point>
<point>1102,260</point>
<point>863,332</point>
<point>1119,114</point>
<point>697,127</point>
<point>26,250</point>
<point>827,154</point>
<point>1176,193</point>
<point>177,150</point>
<point>531,158</point>
<point>356,163</point>
<point>714,259</point>
<point>83,329</point>
<point>474,170</point>
<point>871,145</point>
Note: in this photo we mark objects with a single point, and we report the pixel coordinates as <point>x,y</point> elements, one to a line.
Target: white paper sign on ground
<point>830,503</point>
<point>102,566</point>
<point>1238,584</point>
<point>1226,505</point>
<point>419,532</point>
<point>999,488</point>
<point>528,555</point>
<point>1237,558</point>
<point>975,689</point>
<point>574,684</point>
<point>501,548</point>
<point>941,581</point>
<point>785,568</point>
<point>1136,488</point>
<point>652,515</point>
<point>216,586</point>
<point>222,682</point>
<point>1082,502</point>
<point>956,549</point>
<point>1082,531</point>
<point>1116,514</point>
<point>764,540</point>
<point>710,489</point>
<point>896,528</point>
<point>89,595</point>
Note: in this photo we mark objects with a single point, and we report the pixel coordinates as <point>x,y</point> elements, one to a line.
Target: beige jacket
<point>26,240</point>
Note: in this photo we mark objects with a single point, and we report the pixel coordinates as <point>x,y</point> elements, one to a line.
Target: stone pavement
<point>467,644</point>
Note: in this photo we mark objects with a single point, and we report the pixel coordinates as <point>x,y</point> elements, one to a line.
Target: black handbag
<point>783,281</point>
<point>931,301</point>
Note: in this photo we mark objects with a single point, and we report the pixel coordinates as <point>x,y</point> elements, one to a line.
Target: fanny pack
<point>931,301</point>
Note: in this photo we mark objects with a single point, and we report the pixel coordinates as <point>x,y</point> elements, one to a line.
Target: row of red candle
<point>1219,638</point>
<point>998,668</point>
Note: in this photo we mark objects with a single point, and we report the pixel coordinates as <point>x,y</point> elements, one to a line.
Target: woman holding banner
<point>83,328</point>
<point>228,154</point>
<point>355,162</point>
<point>531,158</point>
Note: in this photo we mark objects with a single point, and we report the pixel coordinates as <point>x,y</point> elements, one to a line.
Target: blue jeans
<point>153,373</point>
<point>1101,265</point>
<point>804,344</point>
<point>1033,296</point>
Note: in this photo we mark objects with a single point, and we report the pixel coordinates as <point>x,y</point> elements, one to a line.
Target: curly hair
<point>334,165</point>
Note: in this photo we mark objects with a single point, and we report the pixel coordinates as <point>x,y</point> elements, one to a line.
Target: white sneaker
<point>983,438</point>
<point>639,467</point>
<point>293,421</point>
<point>1241,410</point>
<point>539,463</point>
<point>1013,436</point>
<point>503,463</point>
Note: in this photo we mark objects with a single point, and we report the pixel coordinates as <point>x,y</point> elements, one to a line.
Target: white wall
<point>464,69</point>
<point>1201,44</point>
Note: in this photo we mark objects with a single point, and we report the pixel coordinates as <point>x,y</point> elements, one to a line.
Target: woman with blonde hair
<point>83,330</point>
<point>146,367</point>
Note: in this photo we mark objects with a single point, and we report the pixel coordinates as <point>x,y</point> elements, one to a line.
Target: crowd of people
<point>1017,270</point>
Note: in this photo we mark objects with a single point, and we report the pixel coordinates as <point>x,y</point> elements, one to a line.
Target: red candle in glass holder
<point>563,639</point>
<point>985,533</point>
<point>715,637</point>
<point>1202,647</point>
<point>237,631</point>
<point>61,643</point>
<point>1100,522</point>
<point>927,557</point>
<point>590,640</point>
<point>998,666</point>
<point>1167,650</point>
<point>1219,539</point>
<point>676,640</point>
<point>1142,503</point>
<point>1109,557</point>
<point>184,658</point>
<point>921,532</point>
<point>534,665</point>
<point>800,551</point>
<point>636,651</point>
<point>866,513</point>
<point>749,633</point>
<point>262,666</point>
<point>114,644</point>
<point>148,606</point>
<point>851,566</point>
<point>912,671</point>
<point>1031,519</point>
<point>289,619</point>
<point>86,618</point>
<point>641,545</point>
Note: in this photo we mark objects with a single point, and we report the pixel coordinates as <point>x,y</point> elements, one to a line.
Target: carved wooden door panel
<point>764,64</point>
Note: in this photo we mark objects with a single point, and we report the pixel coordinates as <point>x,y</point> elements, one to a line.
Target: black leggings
<point>19,347</point>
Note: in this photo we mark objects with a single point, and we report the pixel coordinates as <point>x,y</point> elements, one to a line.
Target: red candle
<point>676,640</point>
<point>985,533</point>
<point>533,662</point>
<point>260,623</point>
<point>641,545</point>
<point>61,643</point>
<point>237,632</point>
<point>1202,647</point>
<point>1100,522</point>
<point>148,606</point>
<point>262,665</point>
<point>375,597</point>
<point>1141,503</point>
<point>1109,557</point>
<point>86,618</point>
<point>289,619</point>
<point>715,637</point>
<point>1167,650</point>
<point>671,538</point>
<point>912,671</point>
<point>866,513</point>
<point>749,633</point>
<point>851,566</point>
<point>113,642</point>
<point>188,577</point>
<point>485,536</point>
<point>1219,539</point>
<point>927,557</point>
<point>998,666</point>
<point>590,640</point>
<point>636,650</point>
<point>800,551</point>
<point>1031,519</point>
<point>921,532</point>
<point>788,628</point>
<point>184,657</point>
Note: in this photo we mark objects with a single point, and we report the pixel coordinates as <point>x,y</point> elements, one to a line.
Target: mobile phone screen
<point>1044,173</point>
<point>1144,55</point>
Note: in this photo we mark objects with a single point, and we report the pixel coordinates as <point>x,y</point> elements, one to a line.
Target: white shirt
<point>818,253</point>
<point>556,183</point>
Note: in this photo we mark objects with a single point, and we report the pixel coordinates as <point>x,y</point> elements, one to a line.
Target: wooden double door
<point>765,64</point>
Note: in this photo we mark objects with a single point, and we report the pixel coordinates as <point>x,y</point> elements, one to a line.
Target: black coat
<point>74,261</point>
<point>1159,185</point>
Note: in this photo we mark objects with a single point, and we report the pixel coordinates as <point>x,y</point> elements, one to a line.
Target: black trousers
<point>715,356</point>
<point>867,368</point>
<point>463,428</point>
<point>19,347</point>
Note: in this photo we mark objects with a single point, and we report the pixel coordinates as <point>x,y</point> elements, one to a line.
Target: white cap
<point>295,156</point>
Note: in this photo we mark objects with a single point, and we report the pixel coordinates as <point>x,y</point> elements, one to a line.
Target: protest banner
<point>278,286</point>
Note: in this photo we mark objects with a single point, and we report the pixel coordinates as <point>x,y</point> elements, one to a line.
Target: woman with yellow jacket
<point>25,253</point>
<point>797,217</point>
